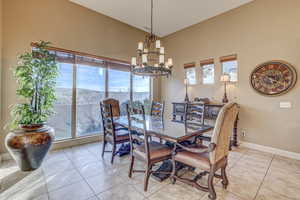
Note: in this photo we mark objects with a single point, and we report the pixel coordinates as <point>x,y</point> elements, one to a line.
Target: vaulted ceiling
<point>169,15</point>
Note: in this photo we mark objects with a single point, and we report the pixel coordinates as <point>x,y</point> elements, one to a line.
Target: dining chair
<point>209,158</point>
<point>142,148</point>
<point>194,114</point>
<point>110,134</point>
<point>157,108</point>
<point>115,106</point>
<point>115,110</point>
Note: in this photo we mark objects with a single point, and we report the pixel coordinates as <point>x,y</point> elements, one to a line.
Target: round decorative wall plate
<point>273,78</point>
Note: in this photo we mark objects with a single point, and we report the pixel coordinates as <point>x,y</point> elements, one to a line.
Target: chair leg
<point>173,174</point>
<point>212,193</point>
<point>147,175</point>
<point>103,148</point>
<point>113,154</point>
<point>131,167</point>
<point>224,177</point>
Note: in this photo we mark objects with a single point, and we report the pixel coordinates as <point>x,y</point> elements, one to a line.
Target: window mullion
<point>74,101</point>
<point>131,87</point>
<point>106,80</point>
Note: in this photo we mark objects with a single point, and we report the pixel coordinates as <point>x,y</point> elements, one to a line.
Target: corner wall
<point>259,31</point>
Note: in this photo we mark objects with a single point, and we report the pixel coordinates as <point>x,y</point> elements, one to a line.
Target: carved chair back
<point>157,108</point>
<point>222,131</point>
<point>115,106</point>
<point>194,113</point>
<point>137,128</point>
<point>107,120</point>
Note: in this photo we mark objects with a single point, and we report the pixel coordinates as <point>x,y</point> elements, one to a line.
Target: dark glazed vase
<point>29,145</point>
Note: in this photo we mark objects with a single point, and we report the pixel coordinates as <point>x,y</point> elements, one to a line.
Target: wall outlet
<point>243,133</point>
<point>285,104</point>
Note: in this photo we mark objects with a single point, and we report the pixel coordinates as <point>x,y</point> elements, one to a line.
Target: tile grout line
<point>264,178</point>
<point>45,180</point>
<point>75,168</point>
<point>83,177</point>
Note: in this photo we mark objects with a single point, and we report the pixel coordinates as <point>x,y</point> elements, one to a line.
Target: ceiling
<point>169,15</point>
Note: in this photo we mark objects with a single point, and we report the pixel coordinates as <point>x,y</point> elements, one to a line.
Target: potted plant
<point>30,138</point>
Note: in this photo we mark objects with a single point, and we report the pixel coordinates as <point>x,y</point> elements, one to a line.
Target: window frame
<point>74,54</point>
<point>188,67</point>
<point>230,58</point>
<point>74,134</point>
<point>205,63</point>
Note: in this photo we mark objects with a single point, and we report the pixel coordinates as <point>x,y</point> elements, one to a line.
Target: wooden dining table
<point>168,130</point>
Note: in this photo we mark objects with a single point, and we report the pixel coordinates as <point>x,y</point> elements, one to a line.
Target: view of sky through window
<point>90,90</point>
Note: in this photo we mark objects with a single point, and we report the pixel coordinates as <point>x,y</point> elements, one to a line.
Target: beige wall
<point>260,31</point>
<point>66,25</point>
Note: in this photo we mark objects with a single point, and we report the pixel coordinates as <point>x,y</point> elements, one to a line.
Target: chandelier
<point>150,59</point>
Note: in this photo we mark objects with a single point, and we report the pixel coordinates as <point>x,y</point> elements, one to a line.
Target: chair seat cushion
<point>121,135</point>
<point>198,160</point>
<point>157,150</point>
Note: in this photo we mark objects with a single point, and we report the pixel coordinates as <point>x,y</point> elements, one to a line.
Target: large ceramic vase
<point>29,145</point>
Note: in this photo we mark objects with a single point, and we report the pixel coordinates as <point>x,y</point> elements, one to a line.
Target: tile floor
<point>79,173</point>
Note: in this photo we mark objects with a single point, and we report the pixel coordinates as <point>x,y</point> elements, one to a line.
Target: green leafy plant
<point>36,76</point>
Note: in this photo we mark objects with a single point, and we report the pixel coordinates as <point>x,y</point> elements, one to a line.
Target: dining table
<point>167,130</point>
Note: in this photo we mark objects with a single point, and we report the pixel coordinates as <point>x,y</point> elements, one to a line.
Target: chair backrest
<point>157,108</point>
<point>107,120</point>
<point>194,113</point>
<point>223,131</point>
<point>137,127</point>
<point>115,106</point>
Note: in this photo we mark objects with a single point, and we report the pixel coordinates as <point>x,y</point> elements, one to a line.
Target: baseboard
<point>272,150</point>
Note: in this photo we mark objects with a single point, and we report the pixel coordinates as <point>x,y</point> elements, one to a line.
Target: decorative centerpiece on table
<point>30,138</point>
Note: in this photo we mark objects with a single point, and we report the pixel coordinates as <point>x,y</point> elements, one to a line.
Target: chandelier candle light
<point>150,59</point>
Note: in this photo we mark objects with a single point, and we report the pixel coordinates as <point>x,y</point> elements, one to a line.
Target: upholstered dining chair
<point>110,134</point>
<point>142,148</point>
<point>212,157</point>
<point>157,108</point>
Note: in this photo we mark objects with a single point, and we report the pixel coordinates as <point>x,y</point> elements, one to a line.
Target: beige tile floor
<point>79,173</point>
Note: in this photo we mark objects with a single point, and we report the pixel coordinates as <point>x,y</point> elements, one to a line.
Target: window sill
<point>76,141</point>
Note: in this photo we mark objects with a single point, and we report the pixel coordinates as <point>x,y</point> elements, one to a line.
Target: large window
<point>62,120</point>
<point>90,87</point>
<point>141,91</point>
<point>82,83</point>
<point>119,87</point>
